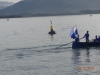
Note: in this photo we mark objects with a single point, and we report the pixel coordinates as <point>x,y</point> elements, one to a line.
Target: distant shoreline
<point>33,15</point>
<point>40,15</point>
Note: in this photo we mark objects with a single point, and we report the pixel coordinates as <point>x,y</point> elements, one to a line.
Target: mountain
<point>50,7</point>
<point>5,4</point>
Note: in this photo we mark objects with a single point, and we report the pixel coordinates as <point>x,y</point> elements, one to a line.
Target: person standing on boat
<point>77,38</point>
<point>87,36</point>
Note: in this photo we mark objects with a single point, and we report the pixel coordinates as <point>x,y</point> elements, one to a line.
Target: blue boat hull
<point>84,44</point>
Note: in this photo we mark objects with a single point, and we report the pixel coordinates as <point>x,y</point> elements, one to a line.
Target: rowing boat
<point>84,44</point>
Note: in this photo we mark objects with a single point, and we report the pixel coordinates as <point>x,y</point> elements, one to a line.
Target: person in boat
<point>77,38</point>
<point>86,36</point>
<point>96,39</point>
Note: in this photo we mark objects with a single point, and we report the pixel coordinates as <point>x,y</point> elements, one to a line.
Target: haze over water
<point>26,48</point>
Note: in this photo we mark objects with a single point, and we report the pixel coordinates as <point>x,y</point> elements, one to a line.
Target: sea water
<point>26,48</point>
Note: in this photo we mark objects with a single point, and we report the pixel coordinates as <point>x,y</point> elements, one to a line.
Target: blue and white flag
<point>74,32</point>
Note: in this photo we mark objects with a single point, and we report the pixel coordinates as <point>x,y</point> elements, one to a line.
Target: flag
<point>74,32</point>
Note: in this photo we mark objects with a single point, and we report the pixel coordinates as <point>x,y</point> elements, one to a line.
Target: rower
<point>96,39</point>
<point>77,38</point>
<point>86,36</point>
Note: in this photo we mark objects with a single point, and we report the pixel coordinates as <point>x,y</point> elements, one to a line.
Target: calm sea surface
<point>26,48</point>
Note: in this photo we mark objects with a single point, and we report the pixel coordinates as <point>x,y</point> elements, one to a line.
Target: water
<point>26,48</point>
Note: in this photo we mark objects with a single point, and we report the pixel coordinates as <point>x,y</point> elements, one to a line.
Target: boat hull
<point>84,44</point>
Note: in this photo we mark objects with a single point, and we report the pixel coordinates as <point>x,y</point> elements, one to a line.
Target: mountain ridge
<point>50,7</point>
<point>4,4</point>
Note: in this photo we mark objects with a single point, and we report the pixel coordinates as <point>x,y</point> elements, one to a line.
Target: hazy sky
<point>11,0</point>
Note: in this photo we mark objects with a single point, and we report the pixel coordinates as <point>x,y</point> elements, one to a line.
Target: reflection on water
<point>88,59</point>
<point>76,56</point>
<point>52,37</point>
<point>81,60</point>
<point>79,55</point>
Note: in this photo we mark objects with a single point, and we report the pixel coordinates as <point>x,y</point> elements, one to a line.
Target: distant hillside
<point>5,4</point>
<point>50,7</point>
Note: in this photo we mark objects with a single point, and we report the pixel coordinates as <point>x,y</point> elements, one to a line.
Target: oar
<point>66,44</point>
<point>69,43</point>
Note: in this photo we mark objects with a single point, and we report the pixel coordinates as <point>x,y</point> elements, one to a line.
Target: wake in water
<point>35,51</point>
<point>45,47</point>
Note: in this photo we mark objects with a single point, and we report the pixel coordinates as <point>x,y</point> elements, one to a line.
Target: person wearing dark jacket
<point>86,36</point>
<point>96,39</point>
<point>77,38</point>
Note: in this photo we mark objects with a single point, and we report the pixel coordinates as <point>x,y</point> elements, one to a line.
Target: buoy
<point>7,19</point>
<point>52,32</point>
<point>52,29</point>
